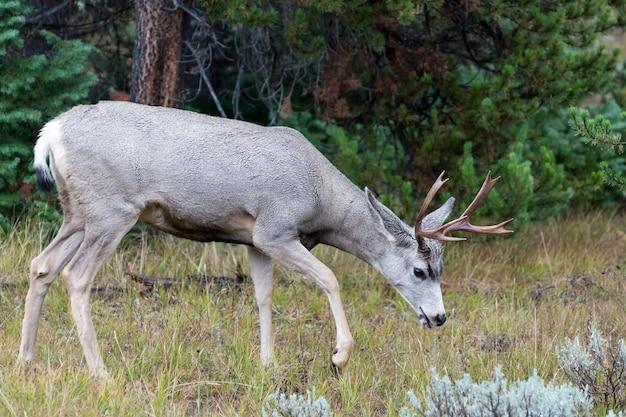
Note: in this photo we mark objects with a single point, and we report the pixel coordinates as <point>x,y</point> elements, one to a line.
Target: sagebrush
<point>280,404</point>
<point>597,366</point>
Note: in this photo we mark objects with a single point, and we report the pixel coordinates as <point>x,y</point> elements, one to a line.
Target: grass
<point>191,351</point>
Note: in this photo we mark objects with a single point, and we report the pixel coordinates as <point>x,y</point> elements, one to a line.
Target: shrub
<point>597,367</point>
<point>498,398</point>
<point>583,164</point>
<point>279,404</point>
<point>532,186</point>
<point>598,131</point>
<point>596,372</point>
<point>42,75</point>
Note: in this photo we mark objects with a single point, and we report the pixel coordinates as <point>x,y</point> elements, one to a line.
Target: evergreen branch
<point>597,130</point>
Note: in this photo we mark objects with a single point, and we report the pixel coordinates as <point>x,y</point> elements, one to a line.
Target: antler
<point>460,224</point>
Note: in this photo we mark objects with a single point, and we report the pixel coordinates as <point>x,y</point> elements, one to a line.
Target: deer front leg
<point>295,256</point>
<point>261,271</point>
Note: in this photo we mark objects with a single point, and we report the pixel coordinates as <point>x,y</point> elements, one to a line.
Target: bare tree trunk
<point>156,55</point>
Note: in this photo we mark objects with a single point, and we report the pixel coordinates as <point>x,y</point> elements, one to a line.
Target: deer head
<point>414,263</point>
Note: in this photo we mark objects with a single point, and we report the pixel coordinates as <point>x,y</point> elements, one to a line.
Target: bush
<point>498,398</point>
<point>598,131</point>
<point>42,75</point>
<point>597,367</point>
<point>532,186</point>
<point>279,404</point>
<point>597,373</point>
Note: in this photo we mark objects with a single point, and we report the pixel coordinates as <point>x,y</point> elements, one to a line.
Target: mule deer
<point>213,179</point>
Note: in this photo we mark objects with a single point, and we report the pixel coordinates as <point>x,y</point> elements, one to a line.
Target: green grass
<point>187,351</point>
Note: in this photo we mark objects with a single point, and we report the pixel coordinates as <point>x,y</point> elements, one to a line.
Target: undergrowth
<point>192,349</point>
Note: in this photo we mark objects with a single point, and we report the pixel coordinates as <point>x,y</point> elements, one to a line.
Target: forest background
<point>393,92</point>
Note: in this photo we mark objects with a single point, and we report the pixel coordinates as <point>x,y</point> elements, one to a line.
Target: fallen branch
<point>202,280</point>
<point>151,282</point>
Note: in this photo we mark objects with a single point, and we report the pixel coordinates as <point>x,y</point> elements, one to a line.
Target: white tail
<point>51,132</point>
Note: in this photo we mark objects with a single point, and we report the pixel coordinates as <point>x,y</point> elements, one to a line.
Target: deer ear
<point>438,217</point>
<point>397,231</point>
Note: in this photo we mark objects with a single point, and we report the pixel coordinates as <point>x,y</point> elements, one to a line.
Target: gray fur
<point>398,231</point>
<point>213,179</point>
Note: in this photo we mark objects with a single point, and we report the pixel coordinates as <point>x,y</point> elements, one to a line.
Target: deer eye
<point>419,273</point>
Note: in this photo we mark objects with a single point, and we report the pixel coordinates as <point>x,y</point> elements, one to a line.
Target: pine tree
<point>34,88</point>
<point>452,82</point>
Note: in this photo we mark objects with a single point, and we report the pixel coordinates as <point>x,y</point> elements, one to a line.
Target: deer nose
<point>440,319</point>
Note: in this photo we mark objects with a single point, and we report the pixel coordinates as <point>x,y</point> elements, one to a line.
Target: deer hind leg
<point>292,254</point>
<point>261,271</point>
<point>101,239</point>
<point>43,271</point>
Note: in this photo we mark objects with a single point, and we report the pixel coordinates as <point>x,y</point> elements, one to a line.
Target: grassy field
<point>191,350</point>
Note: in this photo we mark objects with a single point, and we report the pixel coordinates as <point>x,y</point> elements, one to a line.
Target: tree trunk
<point>156,55</point>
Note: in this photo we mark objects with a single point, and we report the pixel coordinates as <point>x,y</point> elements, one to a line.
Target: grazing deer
<point>213,179</point>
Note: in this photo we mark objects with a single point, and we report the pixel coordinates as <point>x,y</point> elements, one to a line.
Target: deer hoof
<point>341,354</point>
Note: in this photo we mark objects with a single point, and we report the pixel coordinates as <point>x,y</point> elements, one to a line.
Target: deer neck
<point>360,232</point>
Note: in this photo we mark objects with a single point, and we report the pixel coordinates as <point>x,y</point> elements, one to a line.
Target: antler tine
<point>482,194</point>
<point>461,224</point>
<point>466,226</point>
<point>439,233</point>
<point>427,200</point>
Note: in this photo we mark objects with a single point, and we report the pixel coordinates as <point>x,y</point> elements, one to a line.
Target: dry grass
<point>189,351</point>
